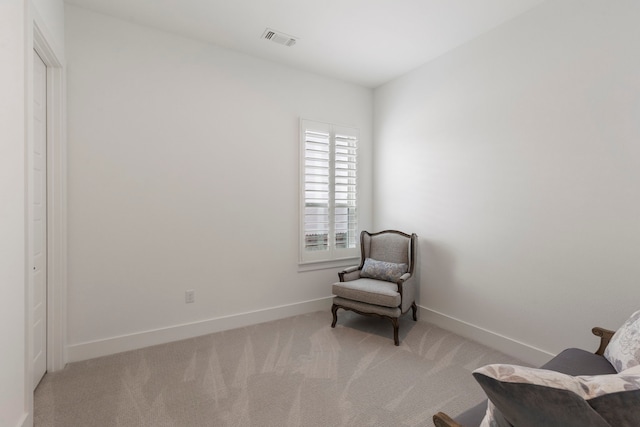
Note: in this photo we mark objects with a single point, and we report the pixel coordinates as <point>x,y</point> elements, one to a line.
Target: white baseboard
<point>509,346</point>
<point>26,421</point>
<point>92,349</point>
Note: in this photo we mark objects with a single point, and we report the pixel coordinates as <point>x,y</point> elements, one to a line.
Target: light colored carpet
<point>290,372</point>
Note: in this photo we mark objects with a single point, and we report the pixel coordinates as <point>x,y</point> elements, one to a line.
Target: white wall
<point>15,78</point>
<point>13,405</point>
<point>516,160</point>
<point>51,12</point>
<point>183,174</point>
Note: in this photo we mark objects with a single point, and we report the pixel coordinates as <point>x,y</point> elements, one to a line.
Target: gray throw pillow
<point>530,397</point>
<point>382,270</point>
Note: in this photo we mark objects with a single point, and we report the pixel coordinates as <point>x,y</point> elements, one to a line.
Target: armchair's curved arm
<point>349,273</point>
<point>605,336</point>
<point>405,277</point>
<point>443,420</point>
<point>401,280</point>
<point>407,288</point>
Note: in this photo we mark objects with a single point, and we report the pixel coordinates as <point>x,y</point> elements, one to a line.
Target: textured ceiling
<point>367,42</point>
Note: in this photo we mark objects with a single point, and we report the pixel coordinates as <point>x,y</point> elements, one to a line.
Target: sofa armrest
<point>443,420</point>
<point>349,273</point>
<point>605,336</point>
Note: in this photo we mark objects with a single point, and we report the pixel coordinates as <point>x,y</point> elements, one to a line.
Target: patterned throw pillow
<point>538,397</point>
<point>494,418</point>
<point>623,351</point>
<point>383,270</point>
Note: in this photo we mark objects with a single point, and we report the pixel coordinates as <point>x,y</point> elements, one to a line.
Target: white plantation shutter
<point>317,158</point>
<point>329,216</point>
<point>345,184</point>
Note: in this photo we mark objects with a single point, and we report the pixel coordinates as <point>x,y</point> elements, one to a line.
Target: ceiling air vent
<point>278,37</point>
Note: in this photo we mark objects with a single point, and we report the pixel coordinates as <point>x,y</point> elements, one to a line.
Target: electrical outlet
<point>190,296</point>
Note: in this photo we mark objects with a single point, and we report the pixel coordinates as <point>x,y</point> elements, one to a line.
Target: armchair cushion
<point>623,351</point>
<point>534,397</point>
<point>363,307</point>
<point>382,270</point>
<point>369,291</point>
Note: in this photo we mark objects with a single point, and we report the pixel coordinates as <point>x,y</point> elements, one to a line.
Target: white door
<point>39,233</point>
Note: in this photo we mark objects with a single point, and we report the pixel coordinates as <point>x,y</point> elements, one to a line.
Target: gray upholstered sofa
<point>571,361</point>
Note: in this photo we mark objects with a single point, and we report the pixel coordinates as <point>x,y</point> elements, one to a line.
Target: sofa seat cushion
<point>531,397</point>
<point>472,416</point>
<point>370,291</point>
<point>575,361</point>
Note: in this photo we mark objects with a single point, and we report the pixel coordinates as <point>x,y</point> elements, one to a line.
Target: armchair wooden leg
<point>334,311</point>
<point>395,330</point>
<point>414,307</point>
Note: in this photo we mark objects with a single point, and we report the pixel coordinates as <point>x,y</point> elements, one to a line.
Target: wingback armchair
<point>383,285</point>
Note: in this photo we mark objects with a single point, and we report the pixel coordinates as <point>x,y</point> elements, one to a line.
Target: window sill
<point>325,265</point>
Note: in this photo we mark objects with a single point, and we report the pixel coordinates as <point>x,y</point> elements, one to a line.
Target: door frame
<point>41,42</point>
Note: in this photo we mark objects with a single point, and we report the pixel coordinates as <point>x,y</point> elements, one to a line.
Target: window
<point>329,197</point>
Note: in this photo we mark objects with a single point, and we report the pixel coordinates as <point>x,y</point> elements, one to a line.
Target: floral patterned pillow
<point>529,396</point>
<point>383,270</point>
<point>623,351</point>
<point>494,418</point>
